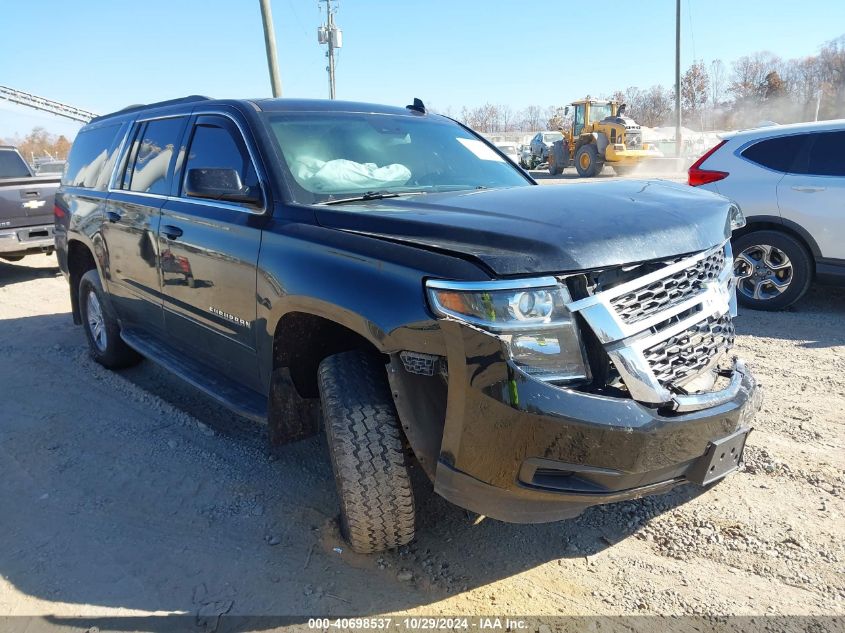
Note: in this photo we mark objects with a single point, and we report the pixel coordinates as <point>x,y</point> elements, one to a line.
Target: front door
<point>132,219</point>
<point>209,253</point>
<point>814,196</point>
<point>579,119</point>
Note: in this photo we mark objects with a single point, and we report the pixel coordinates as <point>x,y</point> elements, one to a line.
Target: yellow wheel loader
<point>600,134</point>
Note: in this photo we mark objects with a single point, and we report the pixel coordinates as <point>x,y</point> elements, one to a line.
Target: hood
<point>547,229</point>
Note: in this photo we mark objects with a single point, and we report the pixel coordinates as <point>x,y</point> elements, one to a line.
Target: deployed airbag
<point>341,175</point>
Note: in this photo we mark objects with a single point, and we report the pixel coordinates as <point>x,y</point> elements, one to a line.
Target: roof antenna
<point>418,106</point>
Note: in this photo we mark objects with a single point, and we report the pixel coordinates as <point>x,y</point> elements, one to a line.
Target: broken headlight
<point>528,315</point>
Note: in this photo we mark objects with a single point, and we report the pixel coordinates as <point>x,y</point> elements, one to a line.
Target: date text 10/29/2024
<point>418,624</point>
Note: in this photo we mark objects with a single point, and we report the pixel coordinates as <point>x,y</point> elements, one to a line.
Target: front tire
<point>773,270</point>
<point>367,453</point>
<point>101,326</point>
<point>587,161</point>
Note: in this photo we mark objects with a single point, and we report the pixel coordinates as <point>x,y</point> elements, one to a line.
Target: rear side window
<point>776,153</point>
<point>217,145</point>
<point>92,157</point>
<point>12,165</point>
<point>153,156</point>
<point>826,154</point>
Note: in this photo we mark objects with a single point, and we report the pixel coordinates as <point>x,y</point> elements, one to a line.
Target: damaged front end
<point>666,327</point>
<point>567,391</point>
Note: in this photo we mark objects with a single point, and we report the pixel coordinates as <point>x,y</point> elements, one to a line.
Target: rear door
<point>130,228</point>
<point>754,175</point>
<point>814,195</point>
<point>209,253</point>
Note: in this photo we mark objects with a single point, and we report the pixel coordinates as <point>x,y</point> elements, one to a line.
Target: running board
<point>235,397</point>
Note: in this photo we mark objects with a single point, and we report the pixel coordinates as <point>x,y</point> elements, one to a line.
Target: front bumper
<point>519,450</point>
<point>27,240</point>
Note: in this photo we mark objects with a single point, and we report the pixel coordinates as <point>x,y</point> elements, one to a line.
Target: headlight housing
<point>737,217</point>
<point>528,315</point>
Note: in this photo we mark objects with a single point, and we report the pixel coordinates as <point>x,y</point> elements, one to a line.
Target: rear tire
<point>775,264</point>
<point>587,161</point>
<point>367,453</point>
<point>101,326</point>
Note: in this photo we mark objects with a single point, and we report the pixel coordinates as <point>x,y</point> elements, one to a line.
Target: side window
<point>216,143</point>
<point>92,157</point>
<point>579,118</point>
<point>826,154</point>
<point>152,156</point>
<point>778,153</point>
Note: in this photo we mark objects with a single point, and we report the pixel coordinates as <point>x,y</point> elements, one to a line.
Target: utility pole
<point>270,45</point>
<point>678,139</point>
<point>329,34</point>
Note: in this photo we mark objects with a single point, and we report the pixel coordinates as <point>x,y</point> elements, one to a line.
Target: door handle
<point>112,216</point>
<point>808,189</point>
<point>171,232</point>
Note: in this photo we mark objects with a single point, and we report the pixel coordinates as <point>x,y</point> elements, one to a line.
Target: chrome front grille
<point>683,356</point>
<point>666,328</point>
<point>676,288</point>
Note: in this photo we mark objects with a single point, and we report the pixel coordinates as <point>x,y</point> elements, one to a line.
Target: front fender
<point>371,286</point>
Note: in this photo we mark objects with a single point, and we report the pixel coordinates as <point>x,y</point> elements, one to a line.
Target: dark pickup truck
<point>26,208</point>
<point>387,274</point>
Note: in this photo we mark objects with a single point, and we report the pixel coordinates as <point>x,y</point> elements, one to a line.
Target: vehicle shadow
<point>18,272</point>
<point>816,321</point>
<point>133,491</point>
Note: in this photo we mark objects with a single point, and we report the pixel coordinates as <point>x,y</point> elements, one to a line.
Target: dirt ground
<point>131,493</point>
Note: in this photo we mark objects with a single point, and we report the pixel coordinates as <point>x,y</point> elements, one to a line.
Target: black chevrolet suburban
<point>387,274</point>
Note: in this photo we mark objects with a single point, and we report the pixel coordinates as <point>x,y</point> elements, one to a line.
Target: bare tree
<point>717,83</point>
<point>657,106</point>
<point>695,85</point>
<point>532,118</point>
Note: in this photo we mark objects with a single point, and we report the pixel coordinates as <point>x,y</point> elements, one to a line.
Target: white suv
<point>789,181</point>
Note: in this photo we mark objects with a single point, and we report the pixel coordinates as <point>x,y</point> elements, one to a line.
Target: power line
<point>691,31</point>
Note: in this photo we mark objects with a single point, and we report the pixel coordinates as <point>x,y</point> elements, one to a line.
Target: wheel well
<point>766,225</point>
<point>302,341</point>
<point>79,261</point>
<point>586,139</point>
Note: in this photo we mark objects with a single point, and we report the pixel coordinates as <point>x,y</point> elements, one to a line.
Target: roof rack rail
<point>157,104</point>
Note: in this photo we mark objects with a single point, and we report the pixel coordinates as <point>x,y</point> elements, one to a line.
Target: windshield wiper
<point>373,195</point>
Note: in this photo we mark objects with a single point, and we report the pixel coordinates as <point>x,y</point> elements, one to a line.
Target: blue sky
<point>103,55</point>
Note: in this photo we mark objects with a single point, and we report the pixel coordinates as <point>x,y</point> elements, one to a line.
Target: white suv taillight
<point>697,176</point>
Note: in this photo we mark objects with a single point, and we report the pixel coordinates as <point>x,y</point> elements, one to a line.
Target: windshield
<point>599,111</point>
<point>335,155</point>
<point>552,137</point>
<point>507,149</point>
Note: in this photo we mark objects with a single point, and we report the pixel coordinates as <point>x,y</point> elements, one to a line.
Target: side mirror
<point>220,184</point>
<point>566,111</point>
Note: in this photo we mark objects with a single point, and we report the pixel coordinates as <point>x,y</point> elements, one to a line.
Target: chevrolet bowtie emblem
<point>33,204</point>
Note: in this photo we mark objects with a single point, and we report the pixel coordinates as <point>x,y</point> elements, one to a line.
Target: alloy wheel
<point>762,272</point>
<point>96,322</point>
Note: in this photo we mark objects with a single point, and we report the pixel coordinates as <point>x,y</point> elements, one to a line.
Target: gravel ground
<point>130,493</point>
